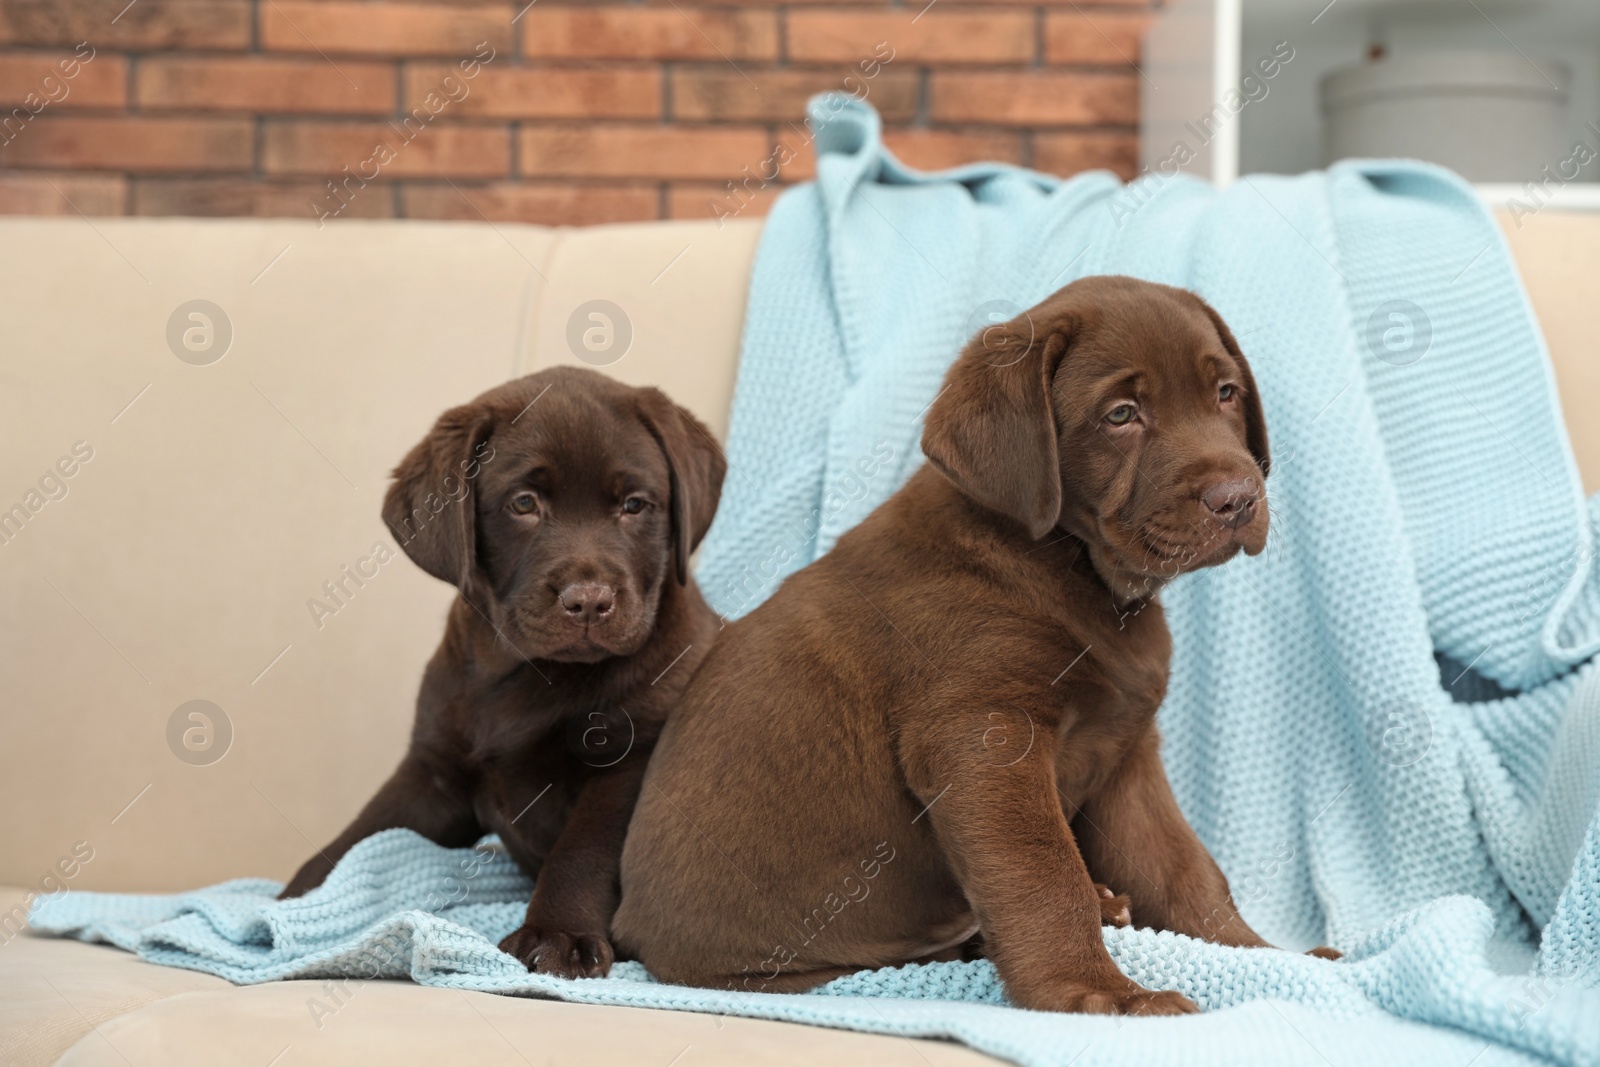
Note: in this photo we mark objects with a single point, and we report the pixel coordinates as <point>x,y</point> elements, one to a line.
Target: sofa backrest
<point>171,523</point>
<point>181,519</point>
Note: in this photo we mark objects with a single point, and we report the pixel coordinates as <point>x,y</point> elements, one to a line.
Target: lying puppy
<point>946,726</point>
<point>564,506</point>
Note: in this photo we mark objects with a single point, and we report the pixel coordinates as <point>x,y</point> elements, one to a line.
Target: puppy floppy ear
<point>992,429</point>
<point>1255,420</point>
<point>696,467</point>
<point>431,506</point>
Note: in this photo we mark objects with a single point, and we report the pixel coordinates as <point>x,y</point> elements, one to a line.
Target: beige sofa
<point>190,509</point>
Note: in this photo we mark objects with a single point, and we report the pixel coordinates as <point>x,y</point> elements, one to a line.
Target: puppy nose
<point>1233,503</point>
<point>588,602</point>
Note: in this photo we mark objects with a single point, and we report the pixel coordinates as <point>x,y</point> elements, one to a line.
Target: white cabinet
<point>1230,87</point>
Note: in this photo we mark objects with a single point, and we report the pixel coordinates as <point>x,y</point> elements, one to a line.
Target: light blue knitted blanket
<point>1424,499</point>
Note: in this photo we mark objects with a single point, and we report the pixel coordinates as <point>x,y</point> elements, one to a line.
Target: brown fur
<point>575,630</point>
<point>945,726</point>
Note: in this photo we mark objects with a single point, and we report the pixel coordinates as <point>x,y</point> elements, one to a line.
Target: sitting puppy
<point>945,727</point>
<point>564,506</point>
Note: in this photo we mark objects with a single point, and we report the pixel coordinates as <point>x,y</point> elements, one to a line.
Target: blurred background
<point>578,112</point>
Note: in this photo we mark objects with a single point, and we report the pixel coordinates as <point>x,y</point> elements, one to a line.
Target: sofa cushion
<point>78,1004</point>
<point>53,992</point>
<point>397,1022</point>
<point>1558,255</point>
<point>211,507</point>
<point>682,287</point>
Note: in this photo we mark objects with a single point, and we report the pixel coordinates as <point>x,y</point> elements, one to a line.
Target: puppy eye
<point>524,504</point>
<point>634,504</point>
<point>1226,392</point>
<point>1121,414</point>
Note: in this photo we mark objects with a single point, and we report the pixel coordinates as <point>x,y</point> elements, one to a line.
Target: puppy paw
<point>1129,999</point>
<point>1114,907</point>
<point>1325,952</point>
<point>1158,1002</point>
<point>560,954</point>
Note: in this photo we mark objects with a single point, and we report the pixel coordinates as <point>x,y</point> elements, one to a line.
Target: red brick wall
<point>554,112</point>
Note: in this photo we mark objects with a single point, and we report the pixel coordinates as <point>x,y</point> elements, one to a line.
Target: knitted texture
<point>399,906</point>
<point>1425,510</point>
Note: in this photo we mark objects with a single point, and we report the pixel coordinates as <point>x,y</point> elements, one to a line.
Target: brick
<point>912,6</point>
<point>938,149</point>
<point>62,194</point>
<point>1034,98</point>
<point>787,3</point>
<point>131,143</point>
<point>435,150</point>
<point>1109,37</point>
<point>145,26</point>
<point>1070,153</point>
<point>541,92</point>
<point>544,203</point>
<point>939,35</point>
<point>265,84</point>
<point>923,149</point>
<point>101,82</point>
<point>384,29</point>
<point>629,32</point>
<point>227,197</point>
<point>693,200</point>
<point>719,94</point>
<point>661,152</point>
<point>1085,5</point>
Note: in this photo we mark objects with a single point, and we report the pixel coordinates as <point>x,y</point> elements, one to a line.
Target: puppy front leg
<point>1008,843</point>
<point>1135,837</point>
<point>567,931</point>
<point>414,799</point>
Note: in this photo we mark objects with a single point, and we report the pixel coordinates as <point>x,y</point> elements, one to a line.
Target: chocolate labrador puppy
<point>945,727</point>
<point>563,506</point>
